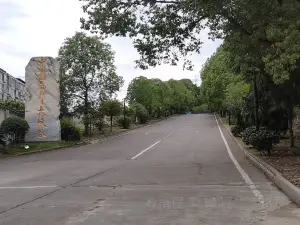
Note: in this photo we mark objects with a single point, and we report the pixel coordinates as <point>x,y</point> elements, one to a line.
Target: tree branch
<point>166,1</point>
<point>79,96</point>
<point>233,21</point>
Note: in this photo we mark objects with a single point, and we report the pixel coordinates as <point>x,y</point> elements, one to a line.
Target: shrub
<point>15,127</point>
<point>247,133</point>
<point>124,122</point>
<point>100,124</point>
<point>2,141</point>
<point>262,140</point>
<point>140,112</point>
<point>236,130</point>
<point>142,117</point>
<point>200,109</point>
<point>167,113</point>
<point>69,131</point>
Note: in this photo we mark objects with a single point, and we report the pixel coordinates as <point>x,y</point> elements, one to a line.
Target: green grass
<point>37,147</point>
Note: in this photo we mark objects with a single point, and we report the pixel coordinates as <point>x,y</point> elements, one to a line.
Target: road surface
<point>177,172</point>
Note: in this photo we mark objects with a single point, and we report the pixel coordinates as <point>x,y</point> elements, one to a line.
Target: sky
<point>31,28</point>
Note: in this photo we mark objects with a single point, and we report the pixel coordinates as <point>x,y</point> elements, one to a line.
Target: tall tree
<point>88,71</point>
<point>215,76</point>
<point>182,98</point>
<point>164,30</point>
<point>141,90</point>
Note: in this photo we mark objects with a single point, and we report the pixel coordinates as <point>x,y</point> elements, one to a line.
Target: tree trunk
<point>256,119</point>
<point>86,122</point>
<point>229,118</point>
<point>290,121</point>
<point>111,123</point>
<point>90,128</point>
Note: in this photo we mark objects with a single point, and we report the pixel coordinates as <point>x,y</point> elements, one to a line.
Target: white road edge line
<point>142,152</point>
<point>245,176</point>
<point>28,187</point>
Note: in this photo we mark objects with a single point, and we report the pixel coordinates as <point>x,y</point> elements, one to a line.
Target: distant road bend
<point>186,170</point>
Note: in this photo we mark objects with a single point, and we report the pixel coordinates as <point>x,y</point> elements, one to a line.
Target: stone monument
<point>42,107</point>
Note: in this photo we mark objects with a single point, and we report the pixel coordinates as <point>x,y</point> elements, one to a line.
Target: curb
<point>121,133</point>
<point>87,142</point>
<point>45,150</point>
<point>283,184</point>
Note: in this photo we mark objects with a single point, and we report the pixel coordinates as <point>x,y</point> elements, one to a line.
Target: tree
<point>164,30</point>
<point>13,105</point>
<point>112,108</point>
<point>141,90</point>
<point>235,95</point>
<point>88,72</point>
<point>163,97</point>
<point>182,98</point>
<point>65,95</point>
<point>138,111</point>
<point>215,76</point>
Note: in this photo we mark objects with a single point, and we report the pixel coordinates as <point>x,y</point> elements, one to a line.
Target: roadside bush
<point>237,130</point>
<point>200,109</point>
<point>15,127</point>
<point>2,141</point>
<point>167,113</point>
<point>100,124</point>
<point>124,122</point>
<point>262,140</point>
<point>247,134</point>
<point>142,117</point>
<point>140,112</point>
<point>69,131</point>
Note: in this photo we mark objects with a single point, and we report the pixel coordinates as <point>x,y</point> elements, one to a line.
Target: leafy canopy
<point>88,71</point>
<point>112,107</point>
<point>164,30</point>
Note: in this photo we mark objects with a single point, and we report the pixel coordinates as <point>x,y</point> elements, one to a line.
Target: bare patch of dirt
<point>285,161</point>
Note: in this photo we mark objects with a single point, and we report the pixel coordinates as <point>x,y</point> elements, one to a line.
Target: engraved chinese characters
<point>42,99</point>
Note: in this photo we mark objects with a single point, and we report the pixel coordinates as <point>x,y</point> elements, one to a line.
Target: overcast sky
<point>31,28</point>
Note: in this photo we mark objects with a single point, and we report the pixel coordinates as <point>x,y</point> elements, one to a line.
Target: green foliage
<point>15,127</point>
<point>262,139</point>
<point>158,96</point>
<point>112,108</point>
<point>261,41</point>
<point>139,112</point>
<point>235,94</point>
<point>167,113</point>
<point>69,131</point>
<point>2,139</point>
<point>88,73</point>
<point>100,124</point>
<point>182,98</point>
<point>216,75</point>
<point>142,90</point>
<point>124,122</point>
<point>247,133</point>
<point>236,130</point>
<point>13,105</point>
<point>200,109</point>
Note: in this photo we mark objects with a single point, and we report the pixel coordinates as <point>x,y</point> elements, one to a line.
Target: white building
<point>11,87</point>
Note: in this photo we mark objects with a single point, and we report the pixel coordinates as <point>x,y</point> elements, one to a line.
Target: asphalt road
<point>176,172</point>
